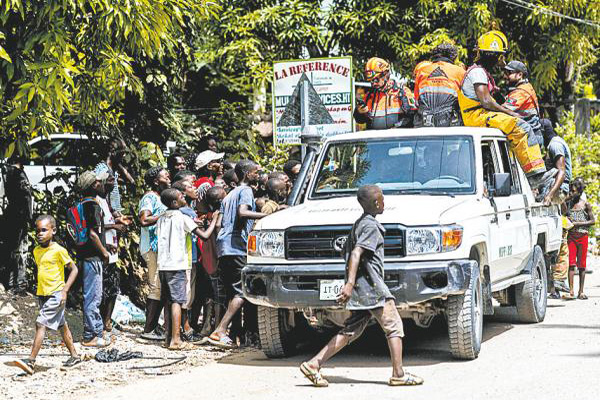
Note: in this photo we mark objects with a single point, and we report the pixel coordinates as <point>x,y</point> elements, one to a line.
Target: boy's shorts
<point>387,317</point>
<point>230,275</point>
<point>52,313</point>
<point>173,284</point>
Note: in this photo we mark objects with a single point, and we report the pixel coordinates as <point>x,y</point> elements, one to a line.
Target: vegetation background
<point>156,70</point>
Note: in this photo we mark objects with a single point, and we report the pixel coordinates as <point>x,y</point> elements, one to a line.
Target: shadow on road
<point>422,347</point>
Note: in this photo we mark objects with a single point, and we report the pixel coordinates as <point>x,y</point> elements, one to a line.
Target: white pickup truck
<point>462,228</point>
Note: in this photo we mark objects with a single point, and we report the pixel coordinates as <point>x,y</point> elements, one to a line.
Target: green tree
<point>70,64</point>
<point>243,41</point>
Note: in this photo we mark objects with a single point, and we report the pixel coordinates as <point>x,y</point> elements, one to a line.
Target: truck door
<point>500,228</point>
<point>517,214</point>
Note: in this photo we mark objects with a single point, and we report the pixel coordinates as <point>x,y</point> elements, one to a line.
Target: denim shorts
<point>173,286</point>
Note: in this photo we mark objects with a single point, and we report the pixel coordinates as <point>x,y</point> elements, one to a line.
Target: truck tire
<point>465,319</point>
<point>276,334</point>
<point>531,296</point>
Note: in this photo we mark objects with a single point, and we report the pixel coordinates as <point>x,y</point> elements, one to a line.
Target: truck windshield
<point>423,165</point>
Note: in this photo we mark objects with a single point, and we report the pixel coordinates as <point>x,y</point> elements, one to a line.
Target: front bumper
<point>297,286</point>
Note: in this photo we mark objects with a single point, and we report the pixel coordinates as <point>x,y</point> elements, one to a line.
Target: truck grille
<point>310,243</point>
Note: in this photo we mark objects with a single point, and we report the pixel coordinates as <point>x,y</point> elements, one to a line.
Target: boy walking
<point>174,245</point>
<point>51,260</point>
<point>365,294</point>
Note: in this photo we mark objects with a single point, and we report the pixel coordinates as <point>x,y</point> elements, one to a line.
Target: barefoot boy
<point>51,260</point>
<point>174,259</point>
<point>366,294</point>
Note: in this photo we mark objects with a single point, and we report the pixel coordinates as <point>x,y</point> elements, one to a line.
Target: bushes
<point>585,152</point>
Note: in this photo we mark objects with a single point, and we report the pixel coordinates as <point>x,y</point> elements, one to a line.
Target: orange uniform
<point>391,107</point>
<point>523,100</point>
<point>437,84</point>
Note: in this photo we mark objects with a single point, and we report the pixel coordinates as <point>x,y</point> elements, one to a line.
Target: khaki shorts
<point>387,317</point>
<point>153,280</point>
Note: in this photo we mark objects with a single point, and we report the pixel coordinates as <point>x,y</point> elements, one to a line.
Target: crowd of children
<point>195,219</point>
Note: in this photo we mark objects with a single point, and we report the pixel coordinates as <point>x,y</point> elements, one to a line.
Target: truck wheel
<point>276,332</point>
<point>531,295</point>
<point>465,320</point>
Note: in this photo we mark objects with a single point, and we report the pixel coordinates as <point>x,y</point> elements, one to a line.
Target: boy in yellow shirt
<point>51,259</point>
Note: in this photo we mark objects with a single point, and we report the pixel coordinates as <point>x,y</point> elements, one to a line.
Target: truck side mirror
<point>501,185</point>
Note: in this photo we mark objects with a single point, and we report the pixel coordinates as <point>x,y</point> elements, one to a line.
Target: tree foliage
<point>246,39</point>
<point>70,63</point>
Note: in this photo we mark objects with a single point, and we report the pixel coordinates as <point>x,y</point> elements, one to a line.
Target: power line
<point>546,11</point>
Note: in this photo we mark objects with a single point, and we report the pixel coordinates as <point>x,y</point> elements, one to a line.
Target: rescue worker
<point>521,97</point>
<point>437,83</point>
<point>479,109</point>
<point>387,104</point>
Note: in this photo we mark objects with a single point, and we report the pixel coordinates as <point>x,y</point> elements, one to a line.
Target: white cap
<point>207,156</point>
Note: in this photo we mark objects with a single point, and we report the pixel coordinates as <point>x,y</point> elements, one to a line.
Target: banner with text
<point>330,97</point>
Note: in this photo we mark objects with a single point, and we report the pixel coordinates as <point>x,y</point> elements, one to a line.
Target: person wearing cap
<point>388,103</point>
<point>114,164</point>
<point>437,82</point>
<point>479,109</point>
<point>92,256</point>
<point>521,97</point>
<point>209,165</point>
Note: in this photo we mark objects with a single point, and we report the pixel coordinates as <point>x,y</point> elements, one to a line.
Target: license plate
<point>330,289</point>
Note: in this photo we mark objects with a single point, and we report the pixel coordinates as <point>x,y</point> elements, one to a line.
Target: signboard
<point>314,96</point>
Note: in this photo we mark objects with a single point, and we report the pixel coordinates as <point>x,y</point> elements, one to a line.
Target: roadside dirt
<point>17,326</point>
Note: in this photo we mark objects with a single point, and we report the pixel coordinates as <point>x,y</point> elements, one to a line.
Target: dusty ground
<point>17,321</point>
<point>559,358</point>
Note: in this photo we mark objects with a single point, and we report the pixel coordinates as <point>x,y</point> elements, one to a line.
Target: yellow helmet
<point>375,67</point>
<point>493,41</point>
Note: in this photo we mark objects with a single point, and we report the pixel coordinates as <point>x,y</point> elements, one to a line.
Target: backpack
<point>77,224</point>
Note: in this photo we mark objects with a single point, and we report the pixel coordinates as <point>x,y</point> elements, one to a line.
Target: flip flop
<point>313,375</point>
<point>407,379</point>
<point>223,342</point>
<point>568,297</point>
<point>582,297</point>
<point>183,346</point>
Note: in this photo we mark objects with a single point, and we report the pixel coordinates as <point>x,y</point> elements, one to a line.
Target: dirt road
<point>559,358</point>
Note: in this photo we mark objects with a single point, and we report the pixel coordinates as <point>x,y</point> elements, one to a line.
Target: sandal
<point>582,296</point>
<point>100,342</point>
<point>313,375</point>
<point>568,297</point>
<point>26,364</point>
<point>407,379</point>
<point>72,361</point>
<point>223,342</point>
<point>183,346</point>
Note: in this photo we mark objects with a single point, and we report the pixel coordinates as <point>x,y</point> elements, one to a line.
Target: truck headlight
<point>433,240</point>
<point>266,244</point>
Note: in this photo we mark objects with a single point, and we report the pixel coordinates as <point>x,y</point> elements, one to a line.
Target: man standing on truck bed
<point>478,108</point>
<point>437,83</point>
<point>366,294</point>
<point>388,104</point>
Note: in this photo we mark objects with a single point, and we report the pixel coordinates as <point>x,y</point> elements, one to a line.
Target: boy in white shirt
<point>174,248</point>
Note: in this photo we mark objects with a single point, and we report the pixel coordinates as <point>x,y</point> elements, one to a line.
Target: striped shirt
<point>115,195</point>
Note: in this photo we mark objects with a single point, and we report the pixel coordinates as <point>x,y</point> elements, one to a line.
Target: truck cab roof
<point>417,132</point>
